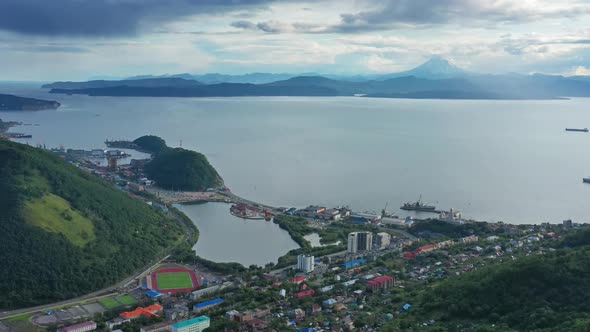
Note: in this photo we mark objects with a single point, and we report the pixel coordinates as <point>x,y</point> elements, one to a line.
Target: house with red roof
<point>380,283</point>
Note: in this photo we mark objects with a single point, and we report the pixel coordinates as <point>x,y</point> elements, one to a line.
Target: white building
<point>196,324</point>
<point>80,327</point>
<point>359,241</point>
<point>305,263</point>
<point>383,240</point>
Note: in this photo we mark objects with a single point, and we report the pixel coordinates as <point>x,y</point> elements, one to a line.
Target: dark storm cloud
<point>105,17</point>
<point>247,25</point>
<point>387,14</point>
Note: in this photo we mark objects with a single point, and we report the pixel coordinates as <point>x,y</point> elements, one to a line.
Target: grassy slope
<point>41,266</point>
<point>54,214</point>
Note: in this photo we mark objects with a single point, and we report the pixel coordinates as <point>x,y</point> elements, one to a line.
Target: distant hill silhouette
<point>436,78</point>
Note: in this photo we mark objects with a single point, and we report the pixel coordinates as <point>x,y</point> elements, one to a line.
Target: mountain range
<point>437,78</point>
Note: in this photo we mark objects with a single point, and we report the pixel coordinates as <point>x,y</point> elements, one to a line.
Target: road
<point>103,292</point>
<point>84,298</point>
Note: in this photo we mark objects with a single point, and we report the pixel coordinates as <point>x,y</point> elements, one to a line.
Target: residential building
<point>326,288</point>
<point>316,309</point>
<point>329,303</point>
<point>196,324</point>
<point>380,283</point>
<point>305,293</point>
<point>111,324</point>
<point>425,248</point>
<point>469,239</point>
<point>305,263</point>
<point>567,223</point>
<point>383,240</point>
<point>445,244</point>
<point>297,314</point>
<point>80,327</point>
<point>231,314</point>
<point>297,279</point>
<point>205,291</point>
<point>359,242</point>
<point>160,327</point>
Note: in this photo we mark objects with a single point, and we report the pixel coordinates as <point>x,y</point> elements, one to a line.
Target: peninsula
<point>175,168</point>
<point>16,103</point>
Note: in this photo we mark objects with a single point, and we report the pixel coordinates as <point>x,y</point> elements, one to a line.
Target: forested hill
<point>16,103</point>
<point>541,292</point>
<point>66,232</point>
<point>177,168</point>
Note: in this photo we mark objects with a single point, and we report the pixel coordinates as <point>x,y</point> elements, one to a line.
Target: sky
<point>42,40</point>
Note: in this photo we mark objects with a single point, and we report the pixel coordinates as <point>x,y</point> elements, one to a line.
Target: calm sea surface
<point>225,238</point>
<point>493,160</point>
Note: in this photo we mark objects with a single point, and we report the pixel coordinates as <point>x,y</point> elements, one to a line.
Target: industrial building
<point>360,241</point>
<point>352,263</point>
<point>80,327</point>
<point>207,304</point>
<point>305,263</point>
<point>383,240</point>
<point>380,283</point>
<point>196,324</point>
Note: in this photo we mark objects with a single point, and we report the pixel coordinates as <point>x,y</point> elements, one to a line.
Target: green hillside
<point>66,232</point>
<point>548,292</point>
<point>177,168</point>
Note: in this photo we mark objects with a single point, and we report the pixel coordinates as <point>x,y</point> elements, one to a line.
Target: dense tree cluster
<point>40,266</point>
<point>548,292</point>
<point>177,168</point>
<point>152,144</point>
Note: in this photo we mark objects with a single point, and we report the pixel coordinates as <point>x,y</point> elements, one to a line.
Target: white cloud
<point>580,71</point>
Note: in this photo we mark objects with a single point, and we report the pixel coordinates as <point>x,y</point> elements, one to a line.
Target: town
<point>364,280</point>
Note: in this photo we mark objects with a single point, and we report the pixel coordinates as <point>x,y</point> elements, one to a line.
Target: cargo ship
<point>419,206</point>
<point>584,130</point>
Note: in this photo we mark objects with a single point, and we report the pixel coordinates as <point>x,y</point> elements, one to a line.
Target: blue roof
<point>406,306</point>
<point>190,321</point>
<point>208,303</point>
<point>153,293</point>
<point>353,263</point>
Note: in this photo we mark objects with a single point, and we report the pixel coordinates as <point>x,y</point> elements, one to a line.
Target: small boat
<point>584,130</point>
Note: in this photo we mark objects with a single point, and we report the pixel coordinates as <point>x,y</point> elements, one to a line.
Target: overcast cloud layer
<point>77,39</point>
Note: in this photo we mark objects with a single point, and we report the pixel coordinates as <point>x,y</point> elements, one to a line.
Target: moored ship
<point>584,130</point>
<point>418,206</point>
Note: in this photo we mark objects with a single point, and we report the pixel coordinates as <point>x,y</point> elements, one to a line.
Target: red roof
<point>147,311</point>
<point>380,280</point>
<point>305,293</point>
<point>409,255</point>
<point>297,279</point>
<point>425,247</point>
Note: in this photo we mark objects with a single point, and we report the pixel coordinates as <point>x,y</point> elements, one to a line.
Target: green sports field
<point>108,303</point>
<point>126,299</point>
<point>171,280</point>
